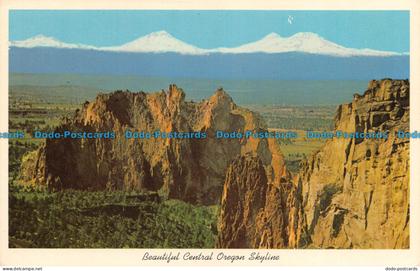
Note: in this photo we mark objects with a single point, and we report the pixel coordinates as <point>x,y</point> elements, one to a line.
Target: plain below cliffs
<point>192,170</point>
<point>352,193</point>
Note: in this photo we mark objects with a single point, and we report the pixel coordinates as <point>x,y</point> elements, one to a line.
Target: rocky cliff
<point>352,193</point>
<point>189,169</point>
<point>257,212</point>
<point>355,192</point>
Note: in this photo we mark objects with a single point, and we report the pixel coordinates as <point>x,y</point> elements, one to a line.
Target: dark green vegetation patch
<point>76,219</point>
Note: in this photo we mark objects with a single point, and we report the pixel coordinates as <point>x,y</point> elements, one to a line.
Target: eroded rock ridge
<point>189,169</point>
<point>352,193</point>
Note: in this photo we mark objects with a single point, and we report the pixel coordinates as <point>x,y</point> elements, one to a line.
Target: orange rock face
<point>355,191</point>
<point>256,211</point>
<point>243,202</point>
<point>352,193</point>
<point>189,169</point>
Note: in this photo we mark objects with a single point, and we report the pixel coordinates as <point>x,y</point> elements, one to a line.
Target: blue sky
<point>380,30</point>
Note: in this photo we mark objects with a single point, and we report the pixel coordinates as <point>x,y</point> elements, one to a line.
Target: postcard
<point>192,133</point>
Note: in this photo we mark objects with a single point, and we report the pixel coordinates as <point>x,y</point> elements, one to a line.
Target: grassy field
<point>298,119</point>
<point>304,117</point>
<point>295,150</point>
<point>33,108</point>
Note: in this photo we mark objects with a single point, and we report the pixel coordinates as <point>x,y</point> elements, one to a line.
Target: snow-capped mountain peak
<point>160,34</point>
<point>306,35</point>
<point>45,41</point>
<point>272,35</point>
<point>164,42</point>
<point>303,42</point>
<point>157,42</point>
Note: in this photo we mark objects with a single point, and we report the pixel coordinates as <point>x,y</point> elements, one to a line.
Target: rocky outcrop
<point>352,193</point>
<point>189,169</point>
<point>243,202</point>
<point>256,211</point>
<point>355,191</point>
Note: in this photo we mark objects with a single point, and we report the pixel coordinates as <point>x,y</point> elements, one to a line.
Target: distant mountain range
<point>163,42</point>
<point>303,56</point>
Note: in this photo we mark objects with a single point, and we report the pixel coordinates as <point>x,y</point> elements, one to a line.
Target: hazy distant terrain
<point>285,66</point>
<point>244,92</point>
